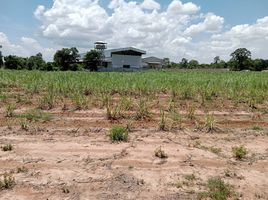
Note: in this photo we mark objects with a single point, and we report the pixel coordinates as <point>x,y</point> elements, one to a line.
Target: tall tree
<point>217,60</point>
<point>184,63</point>
<point>193,64</point>
<point>241,59</point>
<point>65,57</point>
<point>92,60</point>
<point>36,62</point>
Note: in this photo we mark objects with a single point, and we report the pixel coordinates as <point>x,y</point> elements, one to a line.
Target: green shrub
<point>217,190</point>
<point>118,133</point>
<point>239,152</point>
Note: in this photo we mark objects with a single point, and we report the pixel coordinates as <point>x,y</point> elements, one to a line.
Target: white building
<point>128,57</point>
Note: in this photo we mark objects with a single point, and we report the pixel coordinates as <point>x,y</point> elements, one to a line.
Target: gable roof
<point>127,49</point>
<point>152,59</point>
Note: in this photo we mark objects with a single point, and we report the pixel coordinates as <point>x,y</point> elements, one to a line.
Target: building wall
<point>118,61</point>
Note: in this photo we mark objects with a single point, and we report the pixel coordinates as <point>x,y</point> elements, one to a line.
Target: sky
<point>197,29</point>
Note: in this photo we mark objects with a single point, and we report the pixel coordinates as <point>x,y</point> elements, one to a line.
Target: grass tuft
<point>118,134</point>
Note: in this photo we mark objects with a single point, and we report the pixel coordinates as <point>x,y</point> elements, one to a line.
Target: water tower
<point>101,46</point>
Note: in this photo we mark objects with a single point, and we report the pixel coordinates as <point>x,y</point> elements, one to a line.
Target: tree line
<point>69,59</point>
<point>64,60</point>
<point>240,60</point>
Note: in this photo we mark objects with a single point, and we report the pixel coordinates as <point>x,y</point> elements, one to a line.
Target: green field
<point>237,86</point>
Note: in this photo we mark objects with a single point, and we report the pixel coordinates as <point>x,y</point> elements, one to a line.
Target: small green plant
<point>176,120</point>
<point>257,128</point>
<point>239,152</point>
<point>8,182</point>
<point>160,153</point>
<point>7,147</point>
<point>209,123</point>
<point>191,113</point>
<point>9,112</point>
<point>217,190</point>
<point>35,115</point>
<point>143,111</point>
<point>118,133</point>
<point>47,102</point>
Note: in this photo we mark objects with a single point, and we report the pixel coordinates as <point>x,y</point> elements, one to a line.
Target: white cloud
<point>175,32</point>
<point>150,5</point>
<point>177,7</point>
<point>26,48</point>
<point>212,23</point>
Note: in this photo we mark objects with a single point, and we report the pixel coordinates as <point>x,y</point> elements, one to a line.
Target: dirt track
<point>71,157</point>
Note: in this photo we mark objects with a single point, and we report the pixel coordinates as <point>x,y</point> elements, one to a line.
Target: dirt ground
<point>72,158</point>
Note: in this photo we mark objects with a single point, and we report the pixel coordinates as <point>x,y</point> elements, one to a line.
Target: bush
<point>217,190</point>
<point>239,152</point>
<point>118,133</point>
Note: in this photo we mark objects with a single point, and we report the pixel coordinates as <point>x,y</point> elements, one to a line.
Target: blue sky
<point>17,18</point>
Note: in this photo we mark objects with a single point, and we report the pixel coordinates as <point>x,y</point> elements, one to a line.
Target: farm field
<point>191,135</point>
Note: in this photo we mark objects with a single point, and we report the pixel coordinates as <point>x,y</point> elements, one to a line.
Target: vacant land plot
<point>144,135</point>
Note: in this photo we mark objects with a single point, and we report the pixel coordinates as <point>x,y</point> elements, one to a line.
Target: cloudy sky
<point>197,29</point>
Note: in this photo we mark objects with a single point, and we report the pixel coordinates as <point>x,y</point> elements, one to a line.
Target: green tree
<point>65,57</point>
<point>193,64</point>
<point>240,59</point>
<point>36,62</point>
<point>166,63</point>
<point>184,63</point>
<point>92,60</point>
<point>15,62</point>
<point>217,60</point>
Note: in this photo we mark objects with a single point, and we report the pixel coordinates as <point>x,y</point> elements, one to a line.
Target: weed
<point>160,153</point>
<point>118,133</point>
<point>35,115</point>
<point>239,152</point>
<point>209,123</point>
<point>7,147</point>
<point>47,102</point>
<point>163,123</point>
<point>8,182</point>
<point>257,128</point>
<point>191,112</point>
<point>9,112</point>
<point>176,120</point>
<point>143,111</point>
<point>217,190</point>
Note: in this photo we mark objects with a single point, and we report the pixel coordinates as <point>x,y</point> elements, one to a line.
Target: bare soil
<point>72,158</point>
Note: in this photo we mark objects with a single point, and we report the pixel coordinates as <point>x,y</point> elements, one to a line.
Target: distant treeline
<point>69,59</point>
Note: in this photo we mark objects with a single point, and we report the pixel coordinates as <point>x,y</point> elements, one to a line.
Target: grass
<point>118,134</point>
<point>7,147</point>
<point>239,152</point>
<point>217,190</point>
<point>257,128</point>
<point>36,115</point>
<point>8,182</point>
